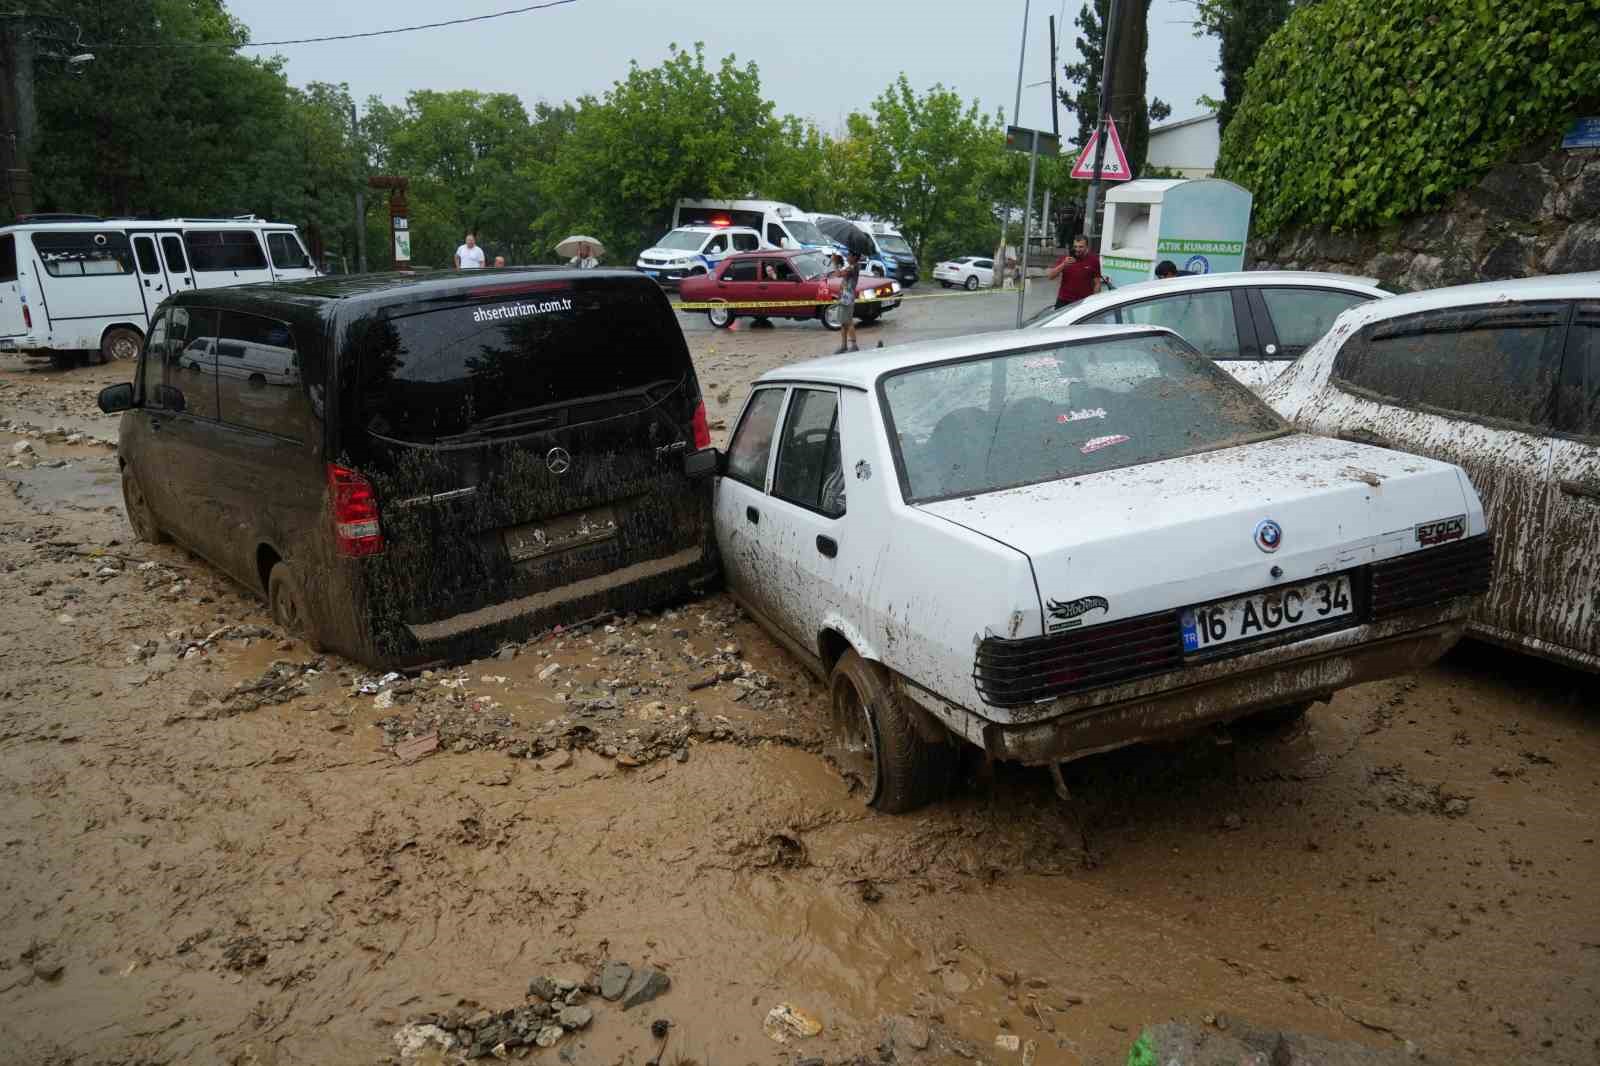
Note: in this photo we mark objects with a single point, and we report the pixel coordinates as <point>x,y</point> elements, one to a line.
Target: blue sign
<point>1198,264</point>
<point>1583,133</point>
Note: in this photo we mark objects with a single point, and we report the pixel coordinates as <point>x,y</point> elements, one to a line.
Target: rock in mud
<point>549,1035</point>
<point>1008,1042</point>
<point>557,760</point>
<point>543,988</point>
<point>575,1017</point>
<point>908,1032</point>
<point>412,1041</point>
<point>244,953</point>
<point>614,977</point>
<point>1175,1044</point>
<point>645,985</point>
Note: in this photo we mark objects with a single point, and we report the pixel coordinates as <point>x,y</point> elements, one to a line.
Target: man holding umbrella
<point>584,252</point>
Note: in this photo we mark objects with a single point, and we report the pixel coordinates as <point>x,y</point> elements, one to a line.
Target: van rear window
<point>557,356</point>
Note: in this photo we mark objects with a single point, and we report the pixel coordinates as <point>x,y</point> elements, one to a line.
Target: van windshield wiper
<point>553,415</point>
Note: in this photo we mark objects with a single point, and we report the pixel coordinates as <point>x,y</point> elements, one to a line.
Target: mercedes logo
<point>558,461</point>
<point>1269,535</point>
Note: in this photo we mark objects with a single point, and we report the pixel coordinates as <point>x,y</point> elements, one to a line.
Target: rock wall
<point>1536,214</point>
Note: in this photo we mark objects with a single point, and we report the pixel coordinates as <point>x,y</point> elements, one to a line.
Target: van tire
<point>286,600</point>
<point>120,344</point>
<point>720,317</point>
<point>140,516</point>
<point>872,735</point>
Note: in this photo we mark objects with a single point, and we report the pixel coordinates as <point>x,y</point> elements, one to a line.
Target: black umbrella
<point>846,233</point>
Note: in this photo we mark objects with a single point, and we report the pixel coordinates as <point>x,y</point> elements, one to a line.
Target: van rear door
<point>526,444</point>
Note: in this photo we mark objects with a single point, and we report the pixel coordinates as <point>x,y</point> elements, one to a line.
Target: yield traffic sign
<point>1114,167</point>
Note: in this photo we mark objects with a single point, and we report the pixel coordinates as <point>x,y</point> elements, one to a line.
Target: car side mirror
<point>169,397</point>
<point>114,398</point>
<point>707,462</point>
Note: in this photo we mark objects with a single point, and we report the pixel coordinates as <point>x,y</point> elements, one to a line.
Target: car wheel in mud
<point>287,604</point>
<point>140,516</point>
<point>1278,717</point>
<point>120,345</point>
<point>972,283</point>
<point>720,317</point>
<point>832,317</point>
<point>875,744</point>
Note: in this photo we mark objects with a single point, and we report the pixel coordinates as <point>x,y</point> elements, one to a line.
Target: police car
<point>691,250</point>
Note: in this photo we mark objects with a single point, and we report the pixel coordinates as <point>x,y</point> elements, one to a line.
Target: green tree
<point>662,133</point>
<point>1133,113</point>
<point>1241,28</point>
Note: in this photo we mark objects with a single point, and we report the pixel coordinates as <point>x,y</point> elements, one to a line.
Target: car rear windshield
<point>1046,413</point>
<point>548,356</point>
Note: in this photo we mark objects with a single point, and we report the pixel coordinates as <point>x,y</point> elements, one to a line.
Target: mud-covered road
<point>206,857</point>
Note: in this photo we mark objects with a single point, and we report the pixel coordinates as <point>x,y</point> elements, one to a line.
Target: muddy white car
<point>1502,378</point>
<point>1057,542</point>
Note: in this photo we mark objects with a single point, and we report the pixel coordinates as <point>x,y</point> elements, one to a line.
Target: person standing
<point>848,277</point>
<point>499,261</point>
<point>1079,273</point>
<point>469,256</point>
<point>585,259</point>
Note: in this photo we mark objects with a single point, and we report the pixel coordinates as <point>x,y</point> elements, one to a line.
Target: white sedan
<point>1503,378</point>
<point>969,272</point>
<point>1252,322</point>
<point>1053,543</point>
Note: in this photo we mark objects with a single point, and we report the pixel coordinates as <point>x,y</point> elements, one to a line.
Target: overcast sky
<point>820,60</point>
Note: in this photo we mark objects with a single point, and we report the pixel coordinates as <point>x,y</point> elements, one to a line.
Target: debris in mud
<point>614,977</point>
<point>409,751</point>
<point>785,1023</point>
<point>1008,1042</point>
<point>902,1031</point>
<point>556,760</point>
<point>412,1041</point>
<point>1176,1044</point>
<point>244,953</point>
<point>644,986</point>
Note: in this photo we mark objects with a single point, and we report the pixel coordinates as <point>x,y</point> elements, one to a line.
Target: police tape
<point>862,298</point>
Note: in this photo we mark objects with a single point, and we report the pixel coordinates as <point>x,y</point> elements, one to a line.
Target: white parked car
<point>1502,378</point>
<point>1057,542</point>
<point>969,272</point>
<point>1253,322</point>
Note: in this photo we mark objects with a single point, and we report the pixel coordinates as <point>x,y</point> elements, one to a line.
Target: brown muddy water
<point>186,879</point>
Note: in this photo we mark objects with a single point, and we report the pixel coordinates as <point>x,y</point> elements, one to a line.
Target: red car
<point>784,284</point>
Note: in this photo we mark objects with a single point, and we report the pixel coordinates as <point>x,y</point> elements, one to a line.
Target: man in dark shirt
<point>1079,273</point>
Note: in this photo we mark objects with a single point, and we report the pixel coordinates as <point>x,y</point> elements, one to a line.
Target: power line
<point>340,36</point>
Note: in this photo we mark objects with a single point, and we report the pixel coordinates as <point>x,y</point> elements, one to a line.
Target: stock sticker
<point>1081,415</point>
<point>1441,531</point>
<point>1097,443</point>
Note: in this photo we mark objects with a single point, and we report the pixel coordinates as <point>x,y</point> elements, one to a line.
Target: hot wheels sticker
<point>1069,614</point>
<point>1081,414</point>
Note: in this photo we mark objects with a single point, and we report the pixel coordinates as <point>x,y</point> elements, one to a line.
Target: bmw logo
<point>1269,535</point>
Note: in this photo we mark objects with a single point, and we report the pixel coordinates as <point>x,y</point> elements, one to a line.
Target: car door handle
<point>752,515</point>
<point>827,545</point>
<point>1588,490</point>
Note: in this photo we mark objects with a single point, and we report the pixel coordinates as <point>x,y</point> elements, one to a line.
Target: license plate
<point>1259,614</point>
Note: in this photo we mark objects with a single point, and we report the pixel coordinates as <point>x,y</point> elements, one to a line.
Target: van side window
<point>8,258</point>
<point>286,252</point>
<point>79,253</point>
<point>1578,406</point>
<point>717,245</point>
<point>258,376</point>
<point>224,249</point>
<point>776,236</point>
<point>1498,362</point>
<point>145,249</point>
<point>192,358</point>
<point>172,248</point>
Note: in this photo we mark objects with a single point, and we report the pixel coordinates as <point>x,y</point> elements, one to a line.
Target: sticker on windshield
<point>1081,415</point>
<point>1096,443</point>
<point>520,310</point>
<point>1068,614</point>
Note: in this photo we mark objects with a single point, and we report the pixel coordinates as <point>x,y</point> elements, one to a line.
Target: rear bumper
<point>1184,701</point>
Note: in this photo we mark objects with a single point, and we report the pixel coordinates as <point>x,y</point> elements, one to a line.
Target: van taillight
<point>702,432</point>
<point>355,513</point>
<point>27,316</point>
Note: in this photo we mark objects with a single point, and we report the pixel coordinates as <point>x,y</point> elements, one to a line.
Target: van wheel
<point>875,744</point>
<point>720,317</point>
<point>832,316</point>
<point>140,516</point>
<point>972,283</point>
<point>120,344</point>
<point>287,603</point>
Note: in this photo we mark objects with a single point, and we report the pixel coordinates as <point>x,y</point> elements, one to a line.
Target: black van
<point>413,468</point>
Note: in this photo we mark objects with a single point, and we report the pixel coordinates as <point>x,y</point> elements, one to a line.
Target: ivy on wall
<point>1362,112</point>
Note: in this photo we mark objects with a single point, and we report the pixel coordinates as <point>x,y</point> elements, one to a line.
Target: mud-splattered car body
<point>444,462</point>
<point>1503,379</point>
<point>1039,575</point>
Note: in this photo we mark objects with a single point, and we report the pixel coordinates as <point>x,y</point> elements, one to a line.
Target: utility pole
<point>361,191</point>
<point>1107,70</point>
<point>17,49</point>
<point>1016,109</point>
<point>1055,127</point>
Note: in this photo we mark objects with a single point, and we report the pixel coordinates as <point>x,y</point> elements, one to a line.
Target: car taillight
<point>702,431</point>
<point>356,530</point>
